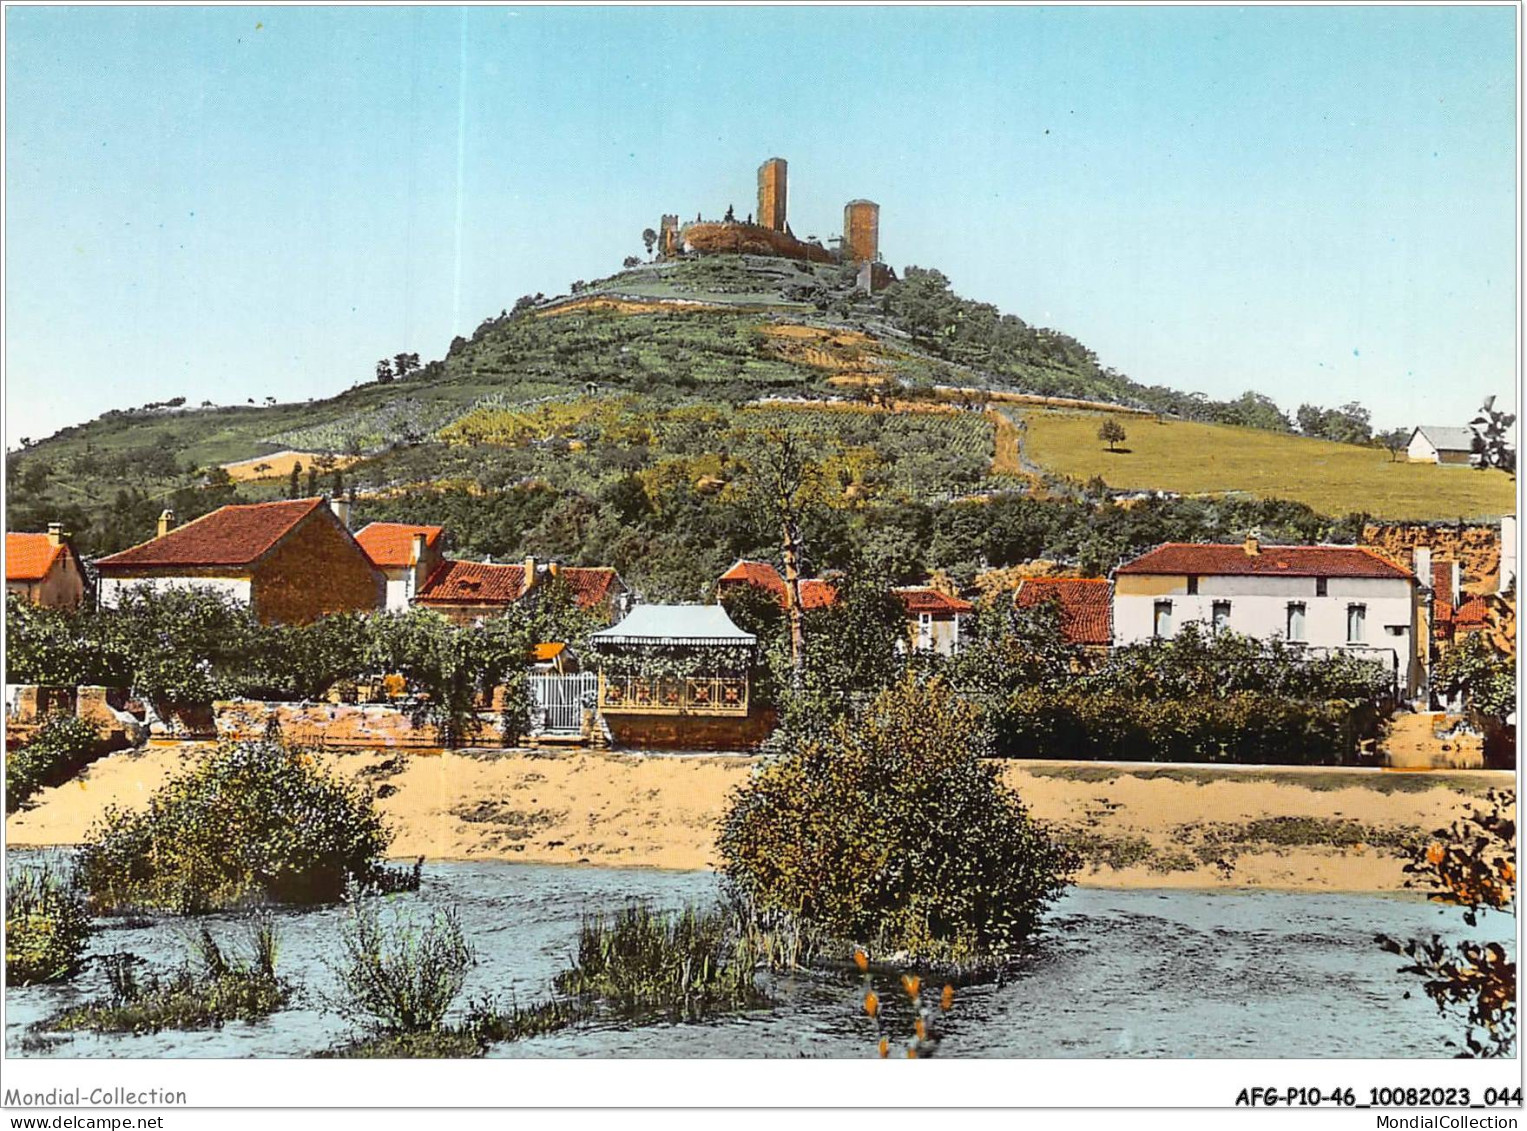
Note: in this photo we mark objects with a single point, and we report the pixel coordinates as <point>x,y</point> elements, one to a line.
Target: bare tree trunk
<point>792,555</point>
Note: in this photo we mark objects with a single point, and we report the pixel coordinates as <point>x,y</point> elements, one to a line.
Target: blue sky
<point>1317,203</point>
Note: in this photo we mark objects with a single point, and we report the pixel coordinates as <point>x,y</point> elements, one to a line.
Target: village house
<point>1345,598</point>
<point>816,592</point>
<point>1085,604</point>
<point>1433,444</point>
<point>44,568</point>
<point>467,592</point>
<point>935,620</point>
<point>290,562</point>
<point>406,554</point>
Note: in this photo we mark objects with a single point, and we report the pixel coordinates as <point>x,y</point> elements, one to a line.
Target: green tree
<point>891,831</point>
<point>1111,432</point>
<point>1493,434</point>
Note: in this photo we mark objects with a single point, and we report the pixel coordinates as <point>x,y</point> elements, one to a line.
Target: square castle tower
<point>771,193</point>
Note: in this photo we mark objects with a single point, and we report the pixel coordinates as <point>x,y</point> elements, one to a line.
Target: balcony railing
<point>673,695</point>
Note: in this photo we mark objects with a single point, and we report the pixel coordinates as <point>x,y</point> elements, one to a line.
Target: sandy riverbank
<point>1138,826</point>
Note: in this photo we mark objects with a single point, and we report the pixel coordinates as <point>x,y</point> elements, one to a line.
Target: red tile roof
<point>487,583</point>
<point>1471,613</point>
<point>391,544</point>
<point>816,592</point>
<point>229,536</point>
<point>1085,605</point>
<point>591,585</point>
<point>473,583</point>
<point>29,557</point>
<point>922,599</point>
<point>1221,560</point>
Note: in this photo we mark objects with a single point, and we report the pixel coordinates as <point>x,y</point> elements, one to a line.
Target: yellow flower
<point>948,999</point>
<point>911,983</point>
<point>861,960</point>
<point>1508,872</point>
<point>885,1048</point>
<point>872,1003</point>
<point>1434,853</point>
<point>921,1029</point>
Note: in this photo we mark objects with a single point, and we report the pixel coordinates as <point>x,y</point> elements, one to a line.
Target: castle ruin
<point>768,232</point>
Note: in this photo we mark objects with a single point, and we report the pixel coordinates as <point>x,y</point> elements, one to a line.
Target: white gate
<point>559,700</point>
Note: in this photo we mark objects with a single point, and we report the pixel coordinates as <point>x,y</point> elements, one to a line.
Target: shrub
<point>1241,728</point>
<point>61,748</point>
<point>208,989</point>
<point>46,926</point>
<point>400,977</point>
<point>256,821</point>
<point>683,966</point>
<point>890,830</point>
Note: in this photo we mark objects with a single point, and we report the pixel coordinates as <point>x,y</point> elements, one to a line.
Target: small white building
<point>1432,444</point>
<point>1344,598</point>
<point>406,554</point>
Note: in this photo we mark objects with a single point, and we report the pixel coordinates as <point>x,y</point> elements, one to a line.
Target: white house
<point>406,554</point>
<point>1327,597</point>
<point>1431,444</point>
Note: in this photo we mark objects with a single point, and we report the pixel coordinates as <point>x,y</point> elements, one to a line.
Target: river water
<point>1117,973</point>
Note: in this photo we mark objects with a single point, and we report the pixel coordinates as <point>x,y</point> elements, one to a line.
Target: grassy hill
<point>611,425</point>
<point>1193,458</point>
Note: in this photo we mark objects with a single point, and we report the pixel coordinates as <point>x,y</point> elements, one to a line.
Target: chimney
<point>553,568</point>
<point>56,534</point>
<point>1422,560</point>
<point>341,509</point>
<point>166,522</point>
<point>1456,580</point>
<point>1253,546</point>
<point>530,574</point>
<point>416,552</point>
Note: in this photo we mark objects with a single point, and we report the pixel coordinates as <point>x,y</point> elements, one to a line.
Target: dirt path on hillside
<point>1136,826</point>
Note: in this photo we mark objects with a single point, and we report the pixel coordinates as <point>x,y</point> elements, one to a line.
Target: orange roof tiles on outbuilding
<point>391,544</point>
<point>473,583</point>
<point>29,557</point>
<point>816,592</point>
<point>1215,559</point>
<point>1085,605</point>
<point>591,585</point>
<point>925,599</point>
<point>235,535</point>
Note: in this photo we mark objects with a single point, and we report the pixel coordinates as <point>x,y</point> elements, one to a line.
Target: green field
<point>1196,458</point>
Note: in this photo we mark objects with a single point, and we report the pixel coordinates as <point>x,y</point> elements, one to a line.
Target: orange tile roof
<point>545,653</point>
<point>473,583</point>
<point>922,599</point>
<point>816,592</point>
<point>1215,559</point>
<point>391,544</point>
<point>591,585</point>
<point>1085,605</point>
<point>230,536</point>
<point>29,557</point>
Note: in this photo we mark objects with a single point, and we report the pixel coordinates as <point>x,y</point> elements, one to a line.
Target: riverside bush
<point>1241,727</point>
<point>256,821</point>
<point>46,926</point>
<point>211,987</point>
<point>400,977</point>
<point>61,748</point>
<point>890,830</point>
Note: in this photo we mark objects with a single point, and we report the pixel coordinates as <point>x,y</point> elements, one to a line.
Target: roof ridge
<point>314,502</point>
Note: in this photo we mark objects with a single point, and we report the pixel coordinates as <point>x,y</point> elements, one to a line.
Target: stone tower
<point>771,194</point>
<point>861,231</point>
<point>668,237</point>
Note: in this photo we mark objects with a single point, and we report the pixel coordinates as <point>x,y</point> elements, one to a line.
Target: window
<point>925,630</point>
<point>1221,618</point>
<point>1357,616</point>
<point>1296,620</point>
<point>1320,587</point>
<point>1192,587</point>
<point>1163,621</point>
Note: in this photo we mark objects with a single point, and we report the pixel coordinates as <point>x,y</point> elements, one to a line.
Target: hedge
<point>1238,728</point>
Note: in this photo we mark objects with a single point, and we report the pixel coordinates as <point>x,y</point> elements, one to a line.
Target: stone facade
<point>1476,546</point>
<point>721,238</point>
<point>341,725</point>
<point>691,732</point>
<point>772,192</point>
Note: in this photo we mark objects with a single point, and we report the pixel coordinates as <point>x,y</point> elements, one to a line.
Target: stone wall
<point>691,732</point>
<point>372,725</point>
<point>720,238</point>
<point>316,570</point>
<point>1476,547</point>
